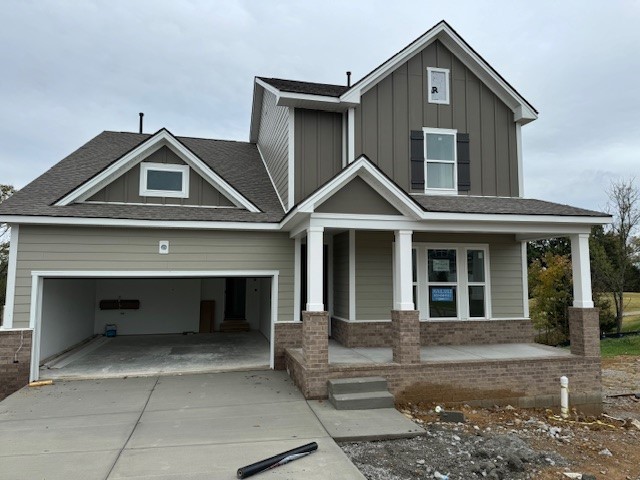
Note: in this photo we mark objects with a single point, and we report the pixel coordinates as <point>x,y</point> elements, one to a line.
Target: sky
<point>72,69</point>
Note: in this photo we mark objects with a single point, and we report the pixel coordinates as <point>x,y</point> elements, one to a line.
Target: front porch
<point>520,374</point>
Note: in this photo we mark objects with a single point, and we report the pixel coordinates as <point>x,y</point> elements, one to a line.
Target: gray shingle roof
<point>294,86</point>
<point>239,163</point>
<point>499,205</point>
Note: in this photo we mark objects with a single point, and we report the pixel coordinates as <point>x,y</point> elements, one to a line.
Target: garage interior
<point>161,326</point>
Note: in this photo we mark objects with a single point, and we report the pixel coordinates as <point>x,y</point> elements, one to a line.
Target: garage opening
<point>121,326</point>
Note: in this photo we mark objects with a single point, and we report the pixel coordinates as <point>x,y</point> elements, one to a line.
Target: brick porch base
<point>14,376</point>
<point>525,383</point>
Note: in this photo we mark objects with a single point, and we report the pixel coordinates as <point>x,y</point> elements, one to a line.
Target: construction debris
<point>41,383</point>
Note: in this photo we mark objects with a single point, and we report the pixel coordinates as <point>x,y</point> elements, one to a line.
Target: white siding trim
<point>329,276</point>
<point>525,279</point>
<point>520,160</point>
<point>351,135</point>
<point>352,275</point>
<point>345,140</point>
<point>291,159</point>
<point>271,178</point>
<point>297,280</point>
<point>7,322</point>
<point>37,282</point>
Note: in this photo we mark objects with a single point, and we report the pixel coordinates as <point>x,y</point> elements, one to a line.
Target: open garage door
<point>160,325</point>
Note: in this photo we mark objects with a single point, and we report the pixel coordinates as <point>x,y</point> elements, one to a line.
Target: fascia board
<point>160,139</point>
<point>125,222</point>
<point>515,219</point>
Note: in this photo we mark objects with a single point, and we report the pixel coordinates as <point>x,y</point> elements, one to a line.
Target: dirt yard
<point>513,444</point>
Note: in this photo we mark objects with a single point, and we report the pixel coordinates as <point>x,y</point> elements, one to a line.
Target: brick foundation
<point>584,331</point>
<point>405,335</point>
<point>478,332</point>
<point>525,383</point>
<point>287,335</point>
<point>14,376</point>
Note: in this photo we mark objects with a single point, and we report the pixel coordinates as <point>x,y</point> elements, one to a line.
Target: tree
<point>615,250</point>
<point>537,249</point>
<point>552,291</point>
<point>5,192</point>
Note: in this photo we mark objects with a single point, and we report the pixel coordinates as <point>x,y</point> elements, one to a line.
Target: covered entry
<point>164,322</point>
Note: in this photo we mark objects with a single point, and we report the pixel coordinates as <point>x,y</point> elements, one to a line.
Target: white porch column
<point>403,280</point>
<point>315,279</point>
<point>581,271</point>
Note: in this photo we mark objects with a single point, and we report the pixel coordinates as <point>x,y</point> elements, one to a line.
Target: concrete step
<point>357,385</point>
<point>362,400</point>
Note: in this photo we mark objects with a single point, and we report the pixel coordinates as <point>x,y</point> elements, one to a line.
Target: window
<point>440,156</point>
<point>164,180</point>
<point>451,281</point>
<point>438,85</point>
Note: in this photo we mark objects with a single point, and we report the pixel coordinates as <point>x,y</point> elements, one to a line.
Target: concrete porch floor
<point>339,354</point>
<point>143,355</point>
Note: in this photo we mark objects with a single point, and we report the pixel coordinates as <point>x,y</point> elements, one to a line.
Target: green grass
<point>631,304</point>
<point>612,347</point>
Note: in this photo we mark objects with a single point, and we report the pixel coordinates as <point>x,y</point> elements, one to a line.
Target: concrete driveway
<point>175,427</point>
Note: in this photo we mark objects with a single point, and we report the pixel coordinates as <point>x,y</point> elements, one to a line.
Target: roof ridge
<point>181,136</point>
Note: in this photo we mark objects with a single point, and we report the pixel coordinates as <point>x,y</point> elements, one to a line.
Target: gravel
<point>450,452</point>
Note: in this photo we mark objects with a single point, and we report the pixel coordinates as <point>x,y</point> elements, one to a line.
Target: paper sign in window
<point>440,265</point>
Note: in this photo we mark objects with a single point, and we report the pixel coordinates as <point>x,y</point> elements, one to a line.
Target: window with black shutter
<point>440,161</point>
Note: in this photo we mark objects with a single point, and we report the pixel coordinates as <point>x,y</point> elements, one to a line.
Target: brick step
<point>362,400</point>
<point>357,385</point>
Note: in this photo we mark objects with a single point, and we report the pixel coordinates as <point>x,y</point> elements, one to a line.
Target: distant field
<point>612,347</point>
<point>630,323</point>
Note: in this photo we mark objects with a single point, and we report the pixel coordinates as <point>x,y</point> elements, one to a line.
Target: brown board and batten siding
<point>116,249</point>
<point>273,141</point>
<point>318,149</point>
<point>397,104</point>
<point>374,275</point>
<point>126,188</point>
<point>341,275</point>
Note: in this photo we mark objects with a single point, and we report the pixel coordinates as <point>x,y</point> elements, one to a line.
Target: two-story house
<point>377,228</point>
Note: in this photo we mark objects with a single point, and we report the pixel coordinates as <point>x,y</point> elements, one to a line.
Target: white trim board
<point>7,322</point>
<point>152,144</point>
<point>37,283</point>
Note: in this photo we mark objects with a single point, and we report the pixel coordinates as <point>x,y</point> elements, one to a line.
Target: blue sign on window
<point>442,294</point>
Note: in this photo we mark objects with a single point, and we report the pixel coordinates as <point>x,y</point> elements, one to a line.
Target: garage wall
<point>107,249</point>
<point>265,307</point>
<point>167,305</point>
<point>67,314</point>
<point>252,303</point>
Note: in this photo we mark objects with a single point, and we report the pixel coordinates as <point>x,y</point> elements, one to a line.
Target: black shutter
<point>464,170</point>
<point>417,160</point>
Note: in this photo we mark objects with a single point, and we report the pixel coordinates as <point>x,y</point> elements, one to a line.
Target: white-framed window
<point>438,85</point>
<point>440,161</point>
<point>452,281</point>
<point>164,180</point>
